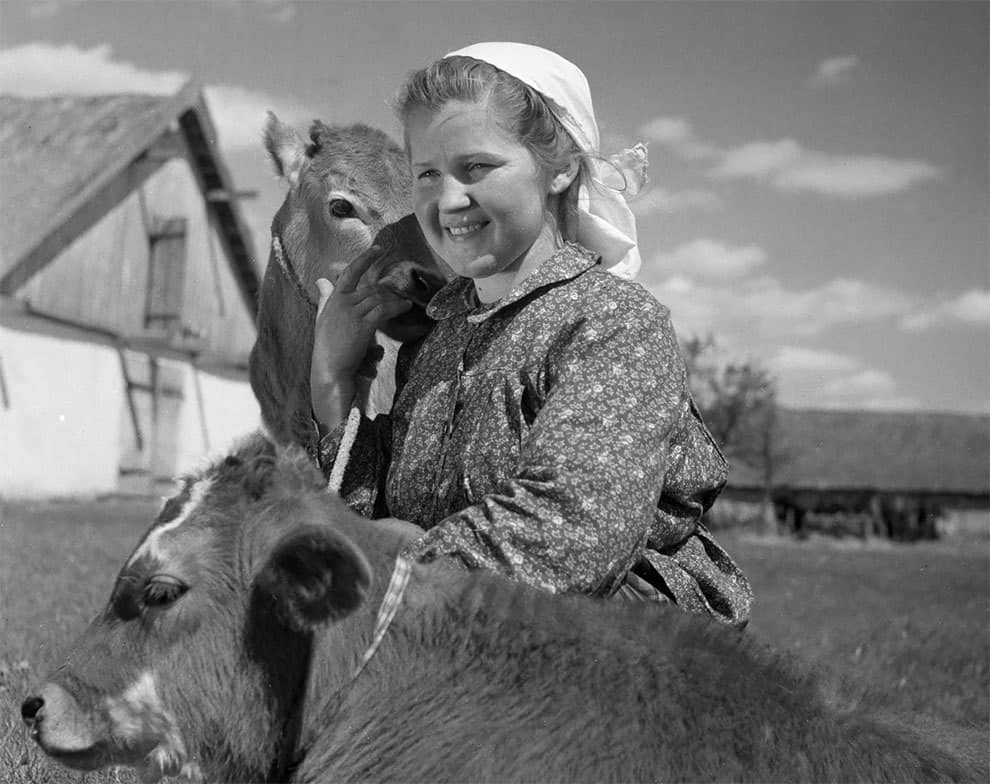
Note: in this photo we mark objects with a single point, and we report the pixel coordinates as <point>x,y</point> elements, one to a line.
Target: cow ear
<point>314,575</point>
<point>286,148</point>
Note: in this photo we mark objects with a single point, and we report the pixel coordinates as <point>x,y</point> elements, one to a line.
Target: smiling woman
<point>543,429</point>
<point>481,197</point>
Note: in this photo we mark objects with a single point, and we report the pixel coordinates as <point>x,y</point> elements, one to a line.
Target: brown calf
<point>348,187</point>
<point>230,646</point>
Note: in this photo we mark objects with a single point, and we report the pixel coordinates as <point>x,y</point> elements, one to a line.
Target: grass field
<point>901,627</point>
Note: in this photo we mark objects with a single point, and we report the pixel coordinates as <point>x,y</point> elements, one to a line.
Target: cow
<point>348,187</point>
<point>238,644</point>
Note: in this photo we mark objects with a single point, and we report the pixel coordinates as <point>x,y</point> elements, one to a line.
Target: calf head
<point>195,663</point>
<point>348,187</point>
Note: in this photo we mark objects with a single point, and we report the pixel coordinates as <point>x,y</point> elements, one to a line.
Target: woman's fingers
<point>378,305</point>
<point>347,317</point>
<point>351,276</point>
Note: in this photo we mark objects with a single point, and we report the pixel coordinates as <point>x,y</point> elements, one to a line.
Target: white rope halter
<point>403,567</point>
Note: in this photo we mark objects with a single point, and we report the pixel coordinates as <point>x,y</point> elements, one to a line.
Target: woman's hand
<point>408,532</point>
<point>348,315</point>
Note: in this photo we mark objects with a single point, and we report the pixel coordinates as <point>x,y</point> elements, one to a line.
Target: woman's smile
<point>465,230</point>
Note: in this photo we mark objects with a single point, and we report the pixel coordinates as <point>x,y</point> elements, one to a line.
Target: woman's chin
<point>472,265</point>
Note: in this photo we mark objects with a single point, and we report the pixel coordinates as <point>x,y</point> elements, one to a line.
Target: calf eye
<point>341,208</point>
<point>161,590</point>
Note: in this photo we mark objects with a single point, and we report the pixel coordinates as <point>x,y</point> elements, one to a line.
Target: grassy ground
<point>902,627</point>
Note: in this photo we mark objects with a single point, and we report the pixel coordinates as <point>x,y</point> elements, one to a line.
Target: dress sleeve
<point>578,511</point>
<point>368,458</point>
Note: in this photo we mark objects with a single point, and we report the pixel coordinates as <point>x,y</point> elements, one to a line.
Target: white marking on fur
<point>151,545</point>
<point>138,717</point>
<point>128,712</point>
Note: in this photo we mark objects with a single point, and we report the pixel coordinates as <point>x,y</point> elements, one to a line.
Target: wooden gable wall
<point>122,270</point>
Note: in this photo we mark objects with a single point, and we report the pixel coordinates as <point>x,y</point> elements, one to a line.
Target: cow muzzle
<point>131,729</point>
<point>62,728</point>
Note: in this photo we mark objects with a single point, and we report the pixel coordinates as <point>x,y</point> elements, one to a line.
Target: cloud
<point>817,378</point>
<point>240,114</point>
<point>713,288</point>
<point>765,311</point>
<point>834,71</point>
<point>866,388</point>
<point>676,134</point>
<point>786,165</point>
<point>658,201</point>
<point>971,308</point>
<point>709,259</point>
<point>802,359</point>
<point>40,69</point>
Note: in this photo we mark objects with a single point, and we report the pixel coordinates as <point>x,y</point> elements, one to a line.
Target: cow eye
<point>161,590</point>
<point>341,208</point>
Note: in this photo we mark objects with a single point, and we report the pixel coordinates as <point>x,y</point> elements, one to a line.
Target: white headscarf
<point>606,225</point>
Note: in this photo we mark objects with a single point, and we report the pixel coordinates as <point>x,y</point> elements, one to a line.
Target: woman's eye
<point>479,168</point>
<point>341,208</point>
<point>425,175</point>
<point>162,590</point>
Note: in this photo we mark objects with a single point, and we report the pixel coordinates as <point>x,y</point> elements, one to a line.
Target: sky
<point>818,197</point>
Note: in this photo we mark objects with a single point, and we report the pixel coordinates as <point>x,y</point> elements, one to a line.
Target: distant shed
<point>900,470</point>
<point>128,290</point>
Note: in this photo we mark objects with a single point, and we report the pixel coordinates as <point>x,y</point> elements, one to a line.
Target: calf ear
<point>314,575</point>
<point>286,148</point>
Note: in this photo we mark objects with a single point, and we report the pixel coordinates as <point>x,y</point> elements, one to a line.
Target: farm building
<point>901,475</point>
<point>128,290</point>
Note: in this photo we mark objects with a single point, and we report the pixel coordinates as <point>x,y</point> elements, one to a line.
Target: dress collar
<point>458,297</point>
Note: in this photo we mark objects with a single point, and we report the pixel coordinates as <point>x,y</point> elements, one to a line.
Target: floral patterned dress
<point>551,437</point>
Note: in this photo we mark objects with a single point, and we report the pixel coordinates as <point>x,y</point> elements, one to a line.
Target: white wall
<point>964,523</point>
<point>230,411</point>
<point>60,434</point>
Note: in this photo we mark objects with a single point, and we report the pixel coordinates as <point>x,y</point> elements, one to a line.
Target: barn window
<point>166,275</point>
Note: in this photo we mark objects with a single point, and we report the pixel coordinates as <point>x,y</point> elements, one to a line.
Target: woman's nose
<point>453,195</point>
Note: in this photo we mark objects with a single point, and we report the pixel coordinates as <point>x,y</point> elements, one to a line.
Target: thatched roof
<point>66,160</point>
<point>879,450</point>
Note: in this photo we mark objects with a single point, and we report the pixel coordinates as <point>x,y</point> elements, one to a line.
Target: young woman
<point>544,429</point>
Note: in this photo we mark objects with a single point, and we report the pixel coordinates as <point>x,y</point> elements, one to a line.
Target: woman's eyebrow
<point>462,156</point>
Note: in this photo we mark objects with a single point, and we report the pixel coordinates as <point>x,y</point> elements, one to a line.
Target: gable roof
<point>879,450</point>
<point>65,161</point>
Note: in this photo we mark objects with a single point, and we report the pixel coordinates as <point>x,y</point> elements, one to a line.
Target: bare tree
<point>738,401</point>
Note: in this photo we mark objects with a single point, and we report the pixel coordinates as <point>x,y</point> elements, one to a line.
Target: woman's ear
<point>562,180</point>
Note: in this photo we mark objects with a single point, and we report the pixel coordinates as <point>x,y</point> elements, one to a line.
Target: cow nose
<point>30,709</point>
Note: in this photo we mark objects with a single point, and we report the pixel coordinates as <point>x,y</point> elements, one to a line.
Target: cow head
<point>203,648</point>
<point>348,187</point>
